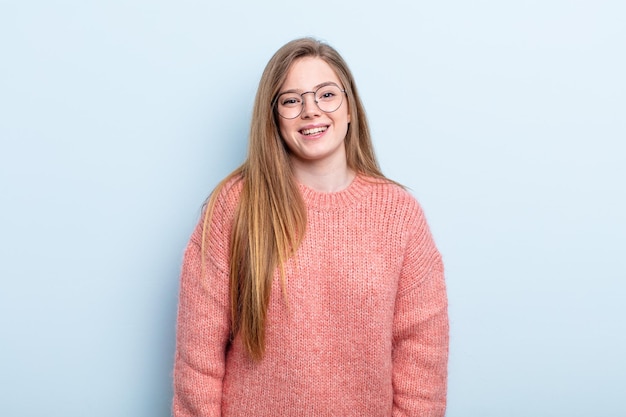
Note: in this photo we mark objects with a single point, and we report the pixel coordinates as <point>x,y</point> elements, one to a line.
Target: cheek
<point>286,125</point>
<point>348,113</point>
<point>347,118</point>
<point>286,134</point>
<point>284,129</point>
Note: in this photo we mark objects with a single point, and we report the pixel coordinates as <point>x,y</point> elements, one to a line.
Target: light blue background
<point>506,119</point>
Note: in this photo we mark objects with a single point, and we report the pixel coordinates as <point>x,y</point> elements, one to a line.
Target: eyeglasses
<point>328,98</point>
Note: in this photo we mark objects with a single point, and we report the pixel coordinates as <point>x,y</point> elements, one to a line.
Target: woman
<point>312,286</point>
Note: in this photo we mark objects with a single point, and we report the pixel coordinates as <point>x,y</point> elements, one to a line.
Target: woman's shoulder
<point>229,188</point>
<point>219,208</point>
<point>395,200</point>
<point>390,191</point>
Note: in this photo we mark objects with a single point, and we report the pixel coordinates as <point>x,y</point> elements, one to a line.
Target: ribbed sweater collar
<point>349,196</point>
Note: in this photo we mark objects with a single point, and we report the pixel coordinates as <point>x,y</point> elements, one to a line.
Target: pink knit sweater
<point>365,329</point>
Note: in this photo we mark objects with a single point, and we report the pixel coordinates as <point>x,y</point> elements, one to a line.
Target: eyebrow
<point>297,90</point>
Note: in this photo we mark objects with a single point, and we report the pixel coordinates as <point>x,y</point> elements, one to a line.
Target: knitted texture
<point>364,330</point>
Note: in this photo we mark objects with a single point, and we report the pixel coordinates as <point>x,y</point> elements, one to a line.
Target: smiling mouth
<point>315,130</point>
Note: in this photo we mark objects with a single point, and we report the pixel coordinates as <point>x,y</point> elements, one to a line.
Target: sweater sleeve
<point>420,329</point>
<point>203,327</point>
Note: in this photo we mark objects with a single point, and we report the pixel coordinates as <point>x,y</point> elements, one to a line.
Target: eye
<point>289,100</point>
<point>328,93</point>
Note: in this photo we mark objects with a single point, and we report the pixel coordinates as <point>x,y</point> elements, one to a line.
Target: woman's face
<point>314,136</point>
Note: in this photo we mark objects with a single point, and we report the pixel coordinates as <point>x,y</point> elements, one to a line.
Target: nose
<point>309,106</point>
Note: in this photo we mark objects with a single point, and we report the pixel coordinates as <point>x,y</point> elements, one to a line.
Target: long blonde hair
<point>270,219</point>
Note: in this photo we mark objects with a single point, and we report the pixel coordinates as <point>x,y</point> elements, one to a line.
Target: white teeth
<point>314,130</point>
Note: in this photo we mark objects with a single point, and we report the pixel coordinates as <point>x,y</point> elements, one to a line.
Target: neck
<point>326,179</point>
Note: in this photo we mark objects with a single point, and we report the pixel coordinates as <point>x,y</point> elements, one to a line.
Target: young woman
<point>311,286</point>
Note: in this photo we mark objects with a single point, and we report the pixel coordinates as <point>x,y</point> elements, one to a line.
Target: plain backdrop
<point>507,120</point>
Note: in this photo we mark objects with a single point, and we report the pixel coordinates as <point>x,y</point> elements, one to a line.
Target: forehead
<point>308,72</point>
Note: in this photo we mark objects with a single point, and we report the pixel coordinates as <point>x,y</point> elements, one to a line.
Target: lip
<point>314,126</point>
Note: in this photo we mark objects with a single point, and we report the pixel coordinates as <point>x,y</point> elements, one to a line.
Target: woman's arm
<point>420,345</point>
<point>201,337</point>
<point>203,327</point>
